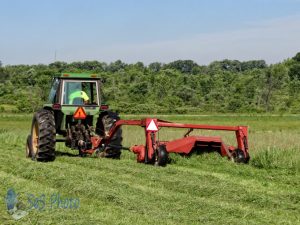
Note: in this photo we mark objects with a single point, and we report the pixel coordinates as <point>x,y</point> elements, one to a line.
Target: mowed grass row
<point>204,189</point>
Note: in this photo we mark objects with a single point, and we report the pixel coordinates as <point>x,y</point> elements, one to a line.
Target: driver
<point>78,94</point>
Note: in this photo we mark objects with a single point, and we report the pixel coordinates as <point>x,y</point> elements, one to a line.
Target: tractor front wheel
<point>40,144</point>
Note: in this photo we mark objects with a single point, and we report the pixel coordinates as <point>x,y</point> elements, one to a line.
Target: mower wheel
<point>28,147</point>
<point>41,144</point>
<point>239,156</point>
<point>162,156</point>
<point>104,123</point>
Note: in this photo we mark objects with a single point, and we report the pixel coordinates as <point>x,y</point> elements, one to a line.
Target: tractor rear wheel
<point>28,146</point>
<point>41,141</point>
<point>104,123</point>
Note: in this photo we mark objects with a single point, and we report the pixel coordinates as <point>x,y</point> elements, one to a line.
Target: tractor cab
<point>72,89</point>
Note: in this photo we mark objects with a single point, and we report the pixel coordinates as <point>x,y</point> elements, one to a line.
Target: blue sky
<point>148,30</point>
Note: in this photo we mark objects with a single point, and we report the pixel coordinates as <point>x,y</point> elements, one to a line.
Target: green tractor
<point>69,116</point>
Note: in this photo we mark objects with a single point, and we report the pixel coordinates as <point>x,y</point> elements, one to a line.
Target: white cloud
<point>273,41</point>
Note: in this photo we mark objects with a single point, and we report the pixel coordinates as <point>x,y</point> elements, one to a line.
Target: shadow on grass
<point>59,153</point>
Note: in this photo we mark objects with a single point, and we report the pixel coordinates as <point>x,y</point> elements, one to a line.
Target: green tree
<point>275,78</point>
<point>184,66</point>
<point>116,66</point>
<point>297,57</point>
<point>155,67</point>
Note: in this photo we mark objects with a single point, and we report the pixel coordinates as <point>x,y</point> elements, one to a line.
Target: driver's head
<point>85,97</point>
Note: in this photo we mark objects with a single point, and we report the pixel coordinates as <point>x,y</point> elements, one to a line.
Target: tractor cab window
<point>80,93</point>
<point>53,93</point>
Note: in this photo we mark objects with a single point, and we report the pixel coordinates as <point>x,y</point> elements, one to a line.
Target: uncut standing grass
<point>203,189</point>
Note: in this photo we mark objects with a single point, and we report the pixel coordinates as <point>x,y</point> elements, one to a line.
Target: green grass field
<point>203,189</point>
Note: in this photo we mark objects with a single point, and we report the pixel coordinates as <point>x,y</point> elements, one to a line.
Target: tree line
<point>181,86</point>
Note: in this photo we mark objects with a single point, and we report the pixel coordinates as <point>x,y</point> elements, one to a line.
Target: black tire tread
<point>162,156</point>
<point>104,123</point>
<point>46,135</point>
<point>239,156</point>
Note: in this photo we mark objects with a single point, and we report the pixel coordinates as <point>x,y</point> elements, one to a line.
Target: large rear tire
<point>104,123</point>
<point>41,141</point>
